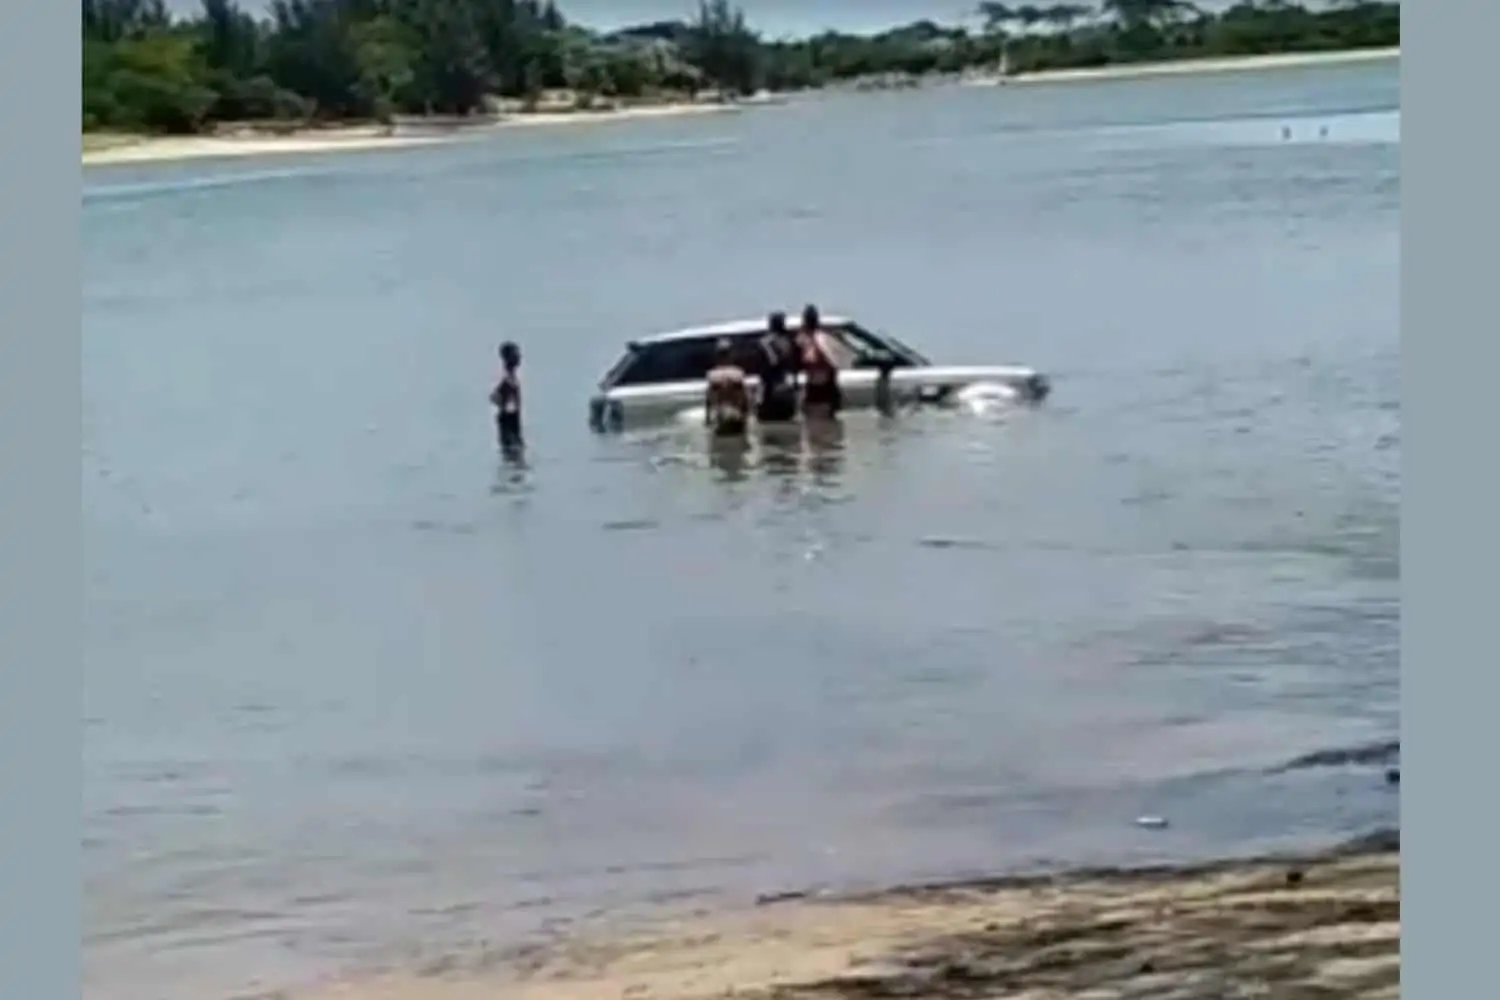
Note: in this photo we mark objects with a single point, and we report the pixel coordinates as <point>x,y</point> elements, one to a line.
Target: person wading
<point>506,398</point>
<point>778,380</point>
<point>726,401</point>
<point>821,396</point>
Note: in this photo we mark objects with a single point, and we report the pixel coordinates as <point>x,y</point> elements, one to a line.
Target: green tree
<point>385,51</point>
<point>451,70</point>
<point>345,60</point>
<point>158,84</point>
<point>723,48</point>
<point>312,52</point>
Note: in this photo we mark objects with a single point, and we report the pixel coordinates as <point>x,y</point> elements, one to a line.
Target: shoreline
<point>1190,67</point>
<point>1325,922</point>
<point>110,150</point>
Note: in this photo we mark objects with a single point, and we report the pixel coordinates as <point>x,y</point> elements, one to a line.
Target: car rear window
<point>685,360</point>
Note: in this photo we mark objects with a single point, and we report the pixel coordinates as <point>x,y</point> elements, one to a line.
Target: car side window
<point>670,361</point>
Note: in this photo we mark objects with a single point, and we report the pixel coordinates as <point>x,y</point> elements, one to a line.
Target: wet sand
<point>1325,925</point>
<point>100,150</point>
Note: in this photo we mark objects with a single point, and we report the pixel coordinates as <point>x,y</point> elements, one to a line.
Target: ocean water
<point>356,694</point>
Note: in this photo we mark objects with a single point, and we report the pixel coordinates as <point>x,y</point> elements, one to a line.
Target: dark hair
<point>810,318</point>
<point>776,322</point>
<point>510,354</point>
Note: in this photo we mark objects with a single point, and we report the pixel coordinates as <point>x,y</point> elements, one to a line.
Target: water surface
<point>352,685</point>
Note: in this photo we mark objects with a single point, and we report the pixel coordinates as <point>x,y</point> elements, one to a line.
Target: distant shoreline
<point>106,150</point>
<point>1191,67</point>
<point>1328,920</point>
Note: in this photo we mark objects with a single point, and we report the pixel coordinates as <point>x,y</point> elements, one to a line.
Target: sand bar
<point>105,150</point>
<point>1190,67</point>
<point>1326,925</point>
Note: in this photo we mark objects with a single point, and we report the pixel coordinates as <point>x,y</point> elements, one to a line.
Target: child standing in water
<point>506,399</point>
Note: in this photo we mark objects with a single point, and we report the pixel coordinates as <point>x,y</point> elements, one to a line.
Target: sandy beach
<point>1323,925</point>
<point>1190,67</point>
<point>119,149</point>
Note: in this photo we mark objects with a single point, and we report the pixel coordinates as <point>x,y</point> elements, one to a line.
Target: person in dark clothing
<point>726,401</point>
<point>778,380</point>
<point>506,398</point>
<point>821,396</point>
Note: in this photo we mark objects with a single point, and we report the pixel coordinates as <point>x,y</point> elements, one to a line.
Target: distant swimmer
<point>726,400</point>
<point>506,398</point>
<point>1286,133</point>
<point>778,385</point>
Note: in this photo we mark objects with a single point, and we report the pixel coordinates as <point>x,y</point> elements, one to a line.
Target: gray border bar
<point>40,771</point>
<point>1448,552</point>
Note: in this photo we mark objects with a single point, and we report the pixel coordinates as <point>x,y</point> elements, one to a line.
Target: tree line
<point>309,61</point>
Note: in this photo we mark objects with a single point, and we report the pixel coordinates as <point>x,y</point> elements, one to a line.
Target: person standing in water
<point>821,396</point>
<point>506,398</point>
<point>778,384</point>
<point>726,400</point>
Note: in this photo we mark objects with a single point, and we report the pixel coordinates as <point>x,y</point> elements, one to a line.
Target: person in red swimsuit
<point>821,396</point>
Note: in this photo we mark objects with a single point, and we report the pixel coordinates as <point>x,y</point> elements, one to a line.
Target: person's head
<point>811,321</point>
<point>776,323</point>
<point>724,351</point>
<point>510,355</point>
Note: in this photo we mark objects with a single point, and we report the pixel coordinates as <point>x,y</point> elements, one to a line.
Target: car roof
<point>732,328</point>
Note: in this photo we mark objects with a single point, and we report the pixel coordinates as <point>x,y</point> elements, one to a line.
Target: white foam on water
<point>622,151</point>
<point>183,185</point>
<point>675,146</point>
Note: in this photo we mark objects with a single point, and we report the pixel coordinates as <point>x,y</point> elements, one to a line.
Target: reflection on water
<point>812,449</point>
<point>730,457</point>
<point>512,473</point>
<point>780,448</point>
<point>825,450</point>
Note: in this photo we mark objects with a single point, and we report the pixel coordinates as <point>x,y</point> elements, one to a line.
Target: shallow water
<point>352,685</point>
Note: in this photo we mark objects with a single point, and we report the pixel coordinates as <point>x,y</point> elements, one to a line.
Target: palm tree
<point>996,16</point>
<point>1134,14</point>
<point>1065,16</point>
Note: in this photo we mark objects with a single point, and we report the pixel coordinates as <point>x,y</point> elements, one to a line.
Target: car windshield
<point>904,349</point>
<point>867,347</point>
<point>842,350</point>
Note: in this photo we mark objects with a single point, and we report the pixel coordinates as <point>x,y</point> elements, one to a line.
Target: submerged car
<point>663,377</point>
